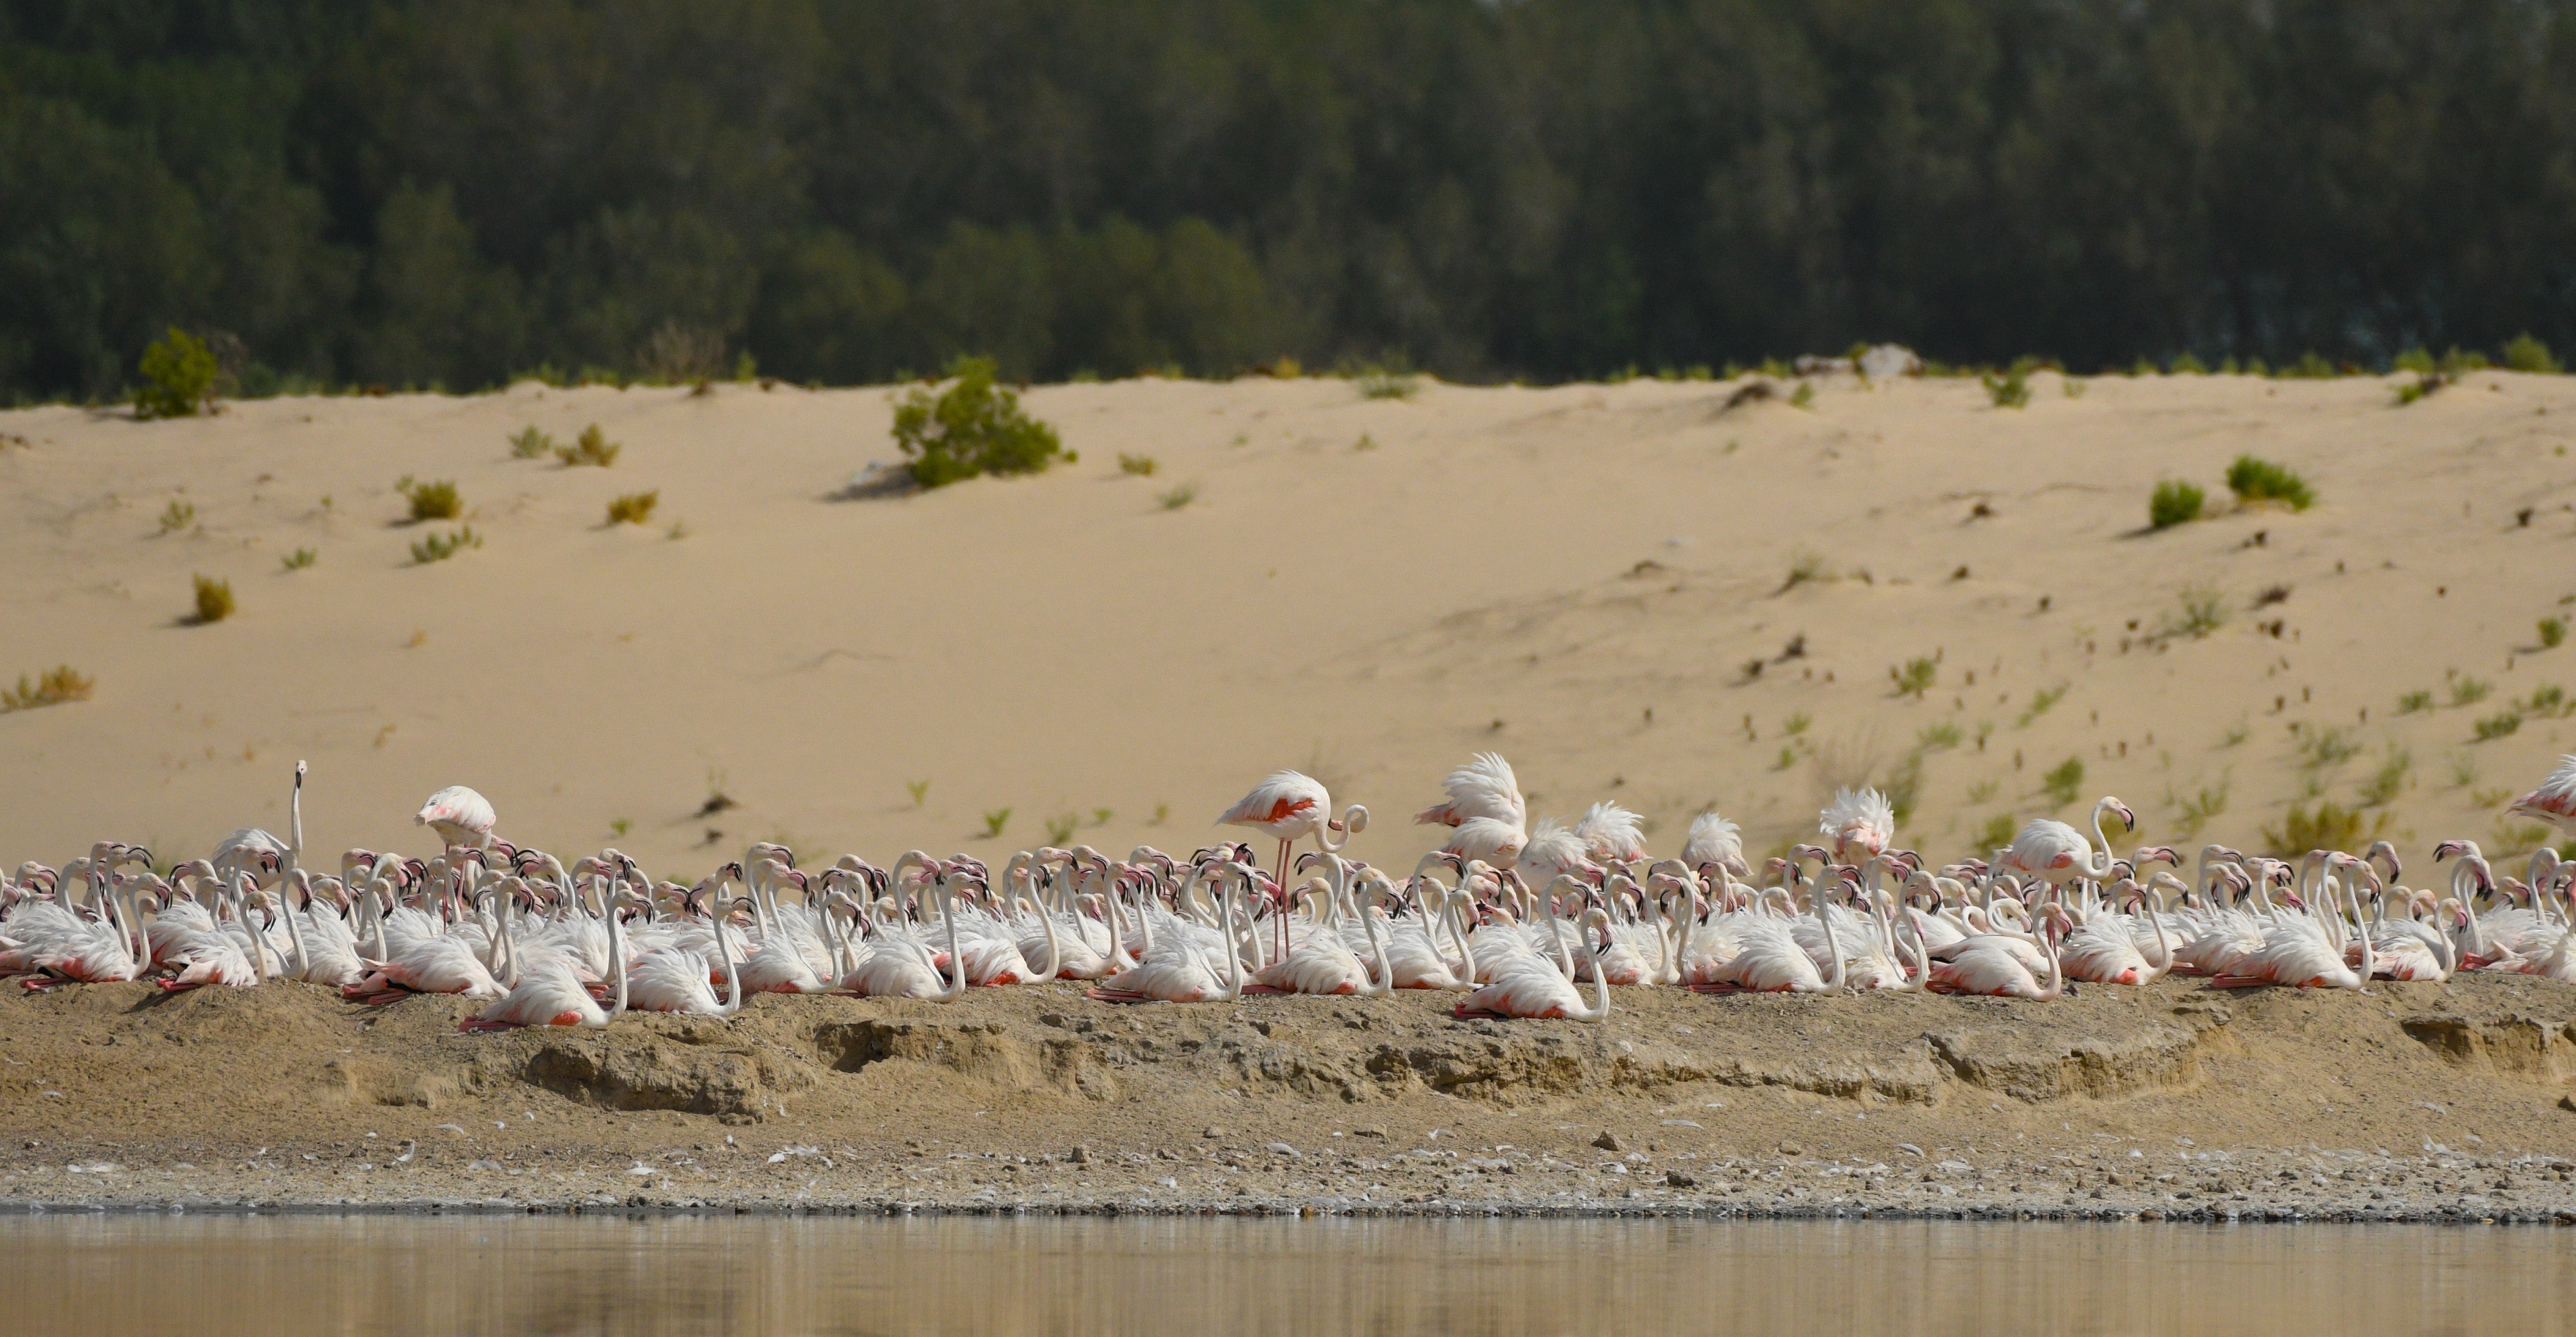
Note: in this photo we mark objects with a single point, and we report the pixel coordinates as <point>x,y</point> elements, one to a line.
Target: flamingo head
<point>2128,819</point>
<point>2448,848</point>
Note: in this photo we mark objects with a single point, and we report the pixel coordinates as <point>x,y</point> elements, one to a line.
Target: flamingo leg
<point>1282,880</point>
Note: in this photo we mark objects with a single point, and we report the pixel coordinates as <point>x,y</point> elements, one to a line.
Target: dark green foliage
<point>2262,480</point>
<point>178,377</point>
<point>441,194</point>
<point>2525,353</point>
<point>972,427</point>
<point>2174,502</point>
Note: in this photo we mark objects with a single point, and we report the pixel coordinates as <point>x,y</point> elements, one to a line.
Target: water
<point>739,1276</point>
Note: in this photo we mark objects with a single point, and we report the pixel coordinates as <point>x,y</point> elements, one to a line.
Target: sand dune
<point>1368,590</point>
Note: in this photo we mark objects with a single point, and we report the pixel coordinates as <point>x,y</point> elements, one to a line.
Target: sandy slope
<point>1577,576</point>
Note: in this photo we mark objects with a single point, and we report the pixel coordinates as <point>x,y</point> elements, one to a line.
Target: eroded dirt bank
<point>2415,1102</point>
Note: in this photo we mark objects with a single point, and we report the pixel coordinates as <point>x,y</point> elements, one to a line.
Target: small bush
<point>1178,497</point>
<point>2546,700</point>
<point>2327,826</point>
<point>2063,780</point>
<point>2309,367</point>
<point>1141,466</point>
<point>1915,678</point>
<point>592,448</point>
<point>177,515</point>
<point>2186,363</point>
<point>2174,502</point>
<point>214,599</point>
<point>440,547</point>
<point>1797,723</point>
<point>2469,691</point>
<point>2202,610</point>
<point>2421,386</point>
<point>1060,829</point>
<point>1804,397</point>
<point>920,789</point>
<point>1933,737</point>
<point>2523,354</point>
<point>2261,480</point>
<point>2417,360</point>
<point>2329,747</point>
<point>299,559</point>
<point>2010,390</point>
<point>2414,702</point>
<point>2196,811</point>
<point>54,687</point>
<point>432,501</point>
<point>531,445</point>
<point>1388,383</point>
<point>2385,783</point>
<point>971,428</point>
<point>2498,725</point>
<point>179,373</point>
<point>995,820</point>
<point>634,508</point>
<point>1998,832</point>
<point>2042,701</point>
<point>1805,564</point>
<point>2552,631</point>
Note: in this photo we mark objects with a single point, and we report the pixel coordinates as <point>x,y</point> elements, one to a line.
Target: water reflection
<point>289,1276</point>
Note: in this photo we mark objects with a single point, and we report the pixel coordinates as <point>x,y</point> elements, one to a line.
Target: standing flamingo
<point>2554,801</point>
<point>2056,853</point>
<point>1289,807</point>
<point>1860,823</point>
<point>459,815</point>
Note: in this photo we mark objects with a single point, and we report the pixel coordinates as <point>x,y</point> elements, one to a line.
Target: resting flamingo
<point>1991,965</point>
<point>1530,986</point>
<point>550,993</point>
<point>1174,970</point>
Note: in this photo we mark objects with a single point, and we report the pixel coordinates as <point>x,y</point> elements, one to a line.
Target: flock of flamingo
<point>1512,915</point>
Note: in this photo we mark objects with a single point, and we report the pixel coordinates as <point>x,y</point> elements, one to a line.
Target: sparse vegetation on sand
<point>1178,497</point>
<point>177,515</point>
<point>2063,780</point>
<point>2012,389</point>
<point>2326,826</point>
<point>634,508</point>
<point>440,547</point>
<point>2175,502</point>
<point>1916,677</point>
<point>531,444</point>
<point>1376,382</point>
<point>51,688</point>
<point>214,600</point>
<point>970,429</point>
<point>2524,353</point>
<point>2553,630</point>
<point>431,501</point>
<point>298,559</point>
<point>591,448</point>
<point>994,821</point>
<point>1137,466</point>
<point>2254,480</point>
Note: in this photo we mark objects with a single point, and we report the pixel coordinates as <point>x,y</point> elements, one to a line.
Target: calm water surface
<point>287,1276</point>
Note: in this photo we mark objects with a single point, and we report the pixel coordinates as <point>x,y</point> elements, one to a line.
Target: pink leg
<point>1281,929</point>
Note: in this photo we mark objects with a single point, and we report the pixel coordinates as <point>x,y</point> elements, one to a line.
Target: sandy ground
<point>2175,1101</point>
<point>1368,590</point>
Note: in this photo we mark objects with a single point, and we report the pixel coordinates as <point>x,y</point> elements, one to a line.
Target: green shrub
<point>214,599</point>
<point>179,373</point>
<point>1932,737</point>
<point>1141,466</point>
<point>2469,691</point>
<point>2010,390</point>
<point>56,686</point>
<point>1178,497</point>
<point>2523,354</point>
<point>1804,397</point>
<point>2202,610</point>
<point>1915,678</point>
<point>2328,826</point>
<point>593,448</point>
<point>2498,725</point>
<point>432,501</point>
<point>2416,360</point>
<point>995,820</point>
<point>177,515</point>
<point>634,508</point>
<point>2309,367</point>
<point>298,559</point>
<point>440,547</point>
<point>531,445</point>
<point>2414,702</point>
<point>1388,383</point>
<point>2421,386</point>
<point>2175,502</point>
<point>973,427</point>
<point>1999,829</point>
<point>2552,631</point>
<point>2185,364</point>
<point>2262,480</point>
<point>2063,780</point>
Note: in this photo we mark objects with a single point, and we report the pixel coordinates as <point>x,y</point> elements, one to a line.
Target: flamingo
<point>61,942</point>
<point>677,979</point>
<point>2056,853</point>
<point>1860,823</point>
<point>1987,964</point>
<point>549,993</point>
<point>1175,970</point>
<point>1289,807</point>
<point>2554,801</point>
<point>1713,840</point>
<point>1482,788</point>
<point>899,964</point>
<point>2304,950</point>
<point>1612,834</point>
<point>459,815</point>
<point>1769,959</point>
<point>1530,986</point>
